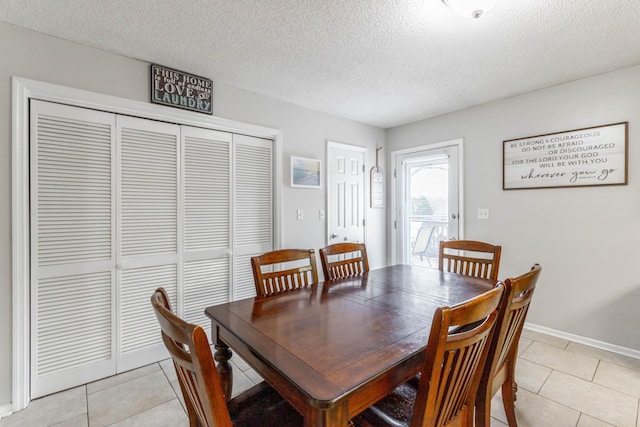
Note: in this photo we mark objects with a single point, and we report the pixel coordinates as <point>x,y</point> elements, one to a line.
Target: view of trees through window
<point>428,190</point>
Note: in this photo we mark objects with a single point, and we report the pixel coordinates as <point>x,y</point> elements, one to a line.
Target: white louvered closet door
<point>121,206</point>
<point>253,208</point>
<point>149,233</point>
<point>72,246</point>
<point>207,221</point>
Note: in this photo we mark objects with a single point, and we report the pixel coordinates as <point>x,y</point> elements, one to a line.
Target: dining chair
<point>471,258</point>
<point>200,383</point>
<point>455,355</point>
<point>299,270</point>
<point>500,369</point>
<point>349,259</point>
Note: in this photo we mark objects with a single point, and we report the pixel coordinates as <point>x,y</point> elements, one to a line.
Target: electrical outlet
<point>299,214</point>
<point>483,213</point>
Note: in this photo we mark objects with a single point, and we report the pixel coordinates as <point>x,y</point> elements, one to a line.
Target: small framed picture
<point>305,173</point>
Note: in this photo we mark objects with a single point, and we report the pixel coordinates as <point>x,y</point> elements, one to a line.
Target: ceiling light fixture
<point>470,8</point>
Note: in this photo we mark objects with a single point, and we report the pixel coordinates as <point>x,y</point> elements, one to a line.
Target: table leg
<point>222,355</point>
<point>336,415</point>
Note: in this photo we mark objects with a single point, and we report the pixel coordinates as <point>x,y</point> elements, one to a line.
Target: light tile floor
<point>561,383</point>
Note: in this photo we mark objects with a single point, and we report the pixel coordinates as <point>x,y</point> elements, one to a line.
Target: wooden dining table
<point>335,348</point>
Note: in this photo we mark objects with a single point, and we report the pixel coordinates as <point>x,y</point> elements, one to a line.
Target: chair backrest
<point>479,259</point>
<point>197,375</point>
<point>354,260</point>
<point>423,237</point>
<point>455,355</point>
<point>271,282</point>
<point>515,305</point>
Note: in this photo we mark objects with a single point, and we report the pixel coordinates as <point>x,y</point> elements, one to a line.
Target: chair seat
<point>394,410</point>
<point>261,405</point>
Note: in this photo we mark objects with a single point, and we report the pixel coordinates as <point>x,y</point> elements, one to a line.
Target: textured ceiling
<point>382,62</point>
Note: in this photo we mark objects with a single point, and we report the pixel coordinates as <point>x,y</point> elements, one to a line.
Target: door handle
<point>334,235</point>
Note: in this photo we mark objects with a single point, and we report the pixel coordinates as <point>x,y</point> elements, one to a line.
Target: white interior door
<point>427,203</point>
<point>346,193</point>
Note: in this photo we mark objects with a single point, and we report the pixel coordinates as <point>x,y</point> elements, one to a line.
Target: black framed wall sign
<point>181,90</point>
<point>575,158</point>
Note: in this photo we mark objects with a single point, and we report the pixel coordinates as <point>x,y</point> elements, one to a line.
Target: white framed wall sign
<point>377,187</point>
<point>575,158</point>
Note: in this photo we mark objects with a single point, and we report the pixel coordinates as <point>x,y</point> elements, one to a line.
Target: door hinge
<point>363,222</point>
<point>394,173</point>
<point>363,168</point>
<point>394,224</point>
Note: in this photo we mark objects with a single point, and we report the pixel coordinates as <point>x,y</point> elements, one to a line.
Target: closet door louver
<point>72,246</point>
<point>207,221</point>
<point>253,208</point>
<point>148,224</point>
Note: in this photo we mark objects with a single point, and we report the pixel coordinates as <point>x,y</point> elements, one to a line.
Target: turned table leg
<point>222,355</point>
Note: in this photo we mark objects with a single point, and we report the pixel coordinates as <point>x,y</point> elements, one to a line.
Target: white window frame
<point>22,91</point>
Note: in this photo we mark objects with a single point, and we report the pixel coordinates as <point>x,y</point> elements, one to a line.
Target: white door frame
<point>22,91</point>
<point>334,144</point>
<point>394,208</point>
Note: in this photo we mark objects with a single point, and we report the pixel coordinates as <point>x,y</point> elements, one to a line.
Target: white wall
<point>586,239</point>
<point>48,59</point>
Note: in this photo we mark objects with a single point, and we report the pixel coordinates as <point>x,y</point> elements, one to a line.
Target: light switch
<point>483,213</point>
<point>299,214</point>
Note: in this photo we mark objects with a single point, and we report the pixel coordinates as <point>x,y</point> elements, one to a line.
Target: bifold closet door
<point>253,208</point>
<point>73,251</point>
<point>120,206</point>
<point>149,233</point>
<point>207,221</point>
<point>228,182</point>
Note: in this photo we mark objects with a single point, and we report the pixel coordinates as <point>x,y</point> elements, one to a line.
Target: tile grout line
<point>86,394</point>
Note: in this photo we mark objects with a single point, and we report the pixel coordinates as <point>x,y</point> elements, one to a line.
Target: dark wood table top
<point>334,348</point>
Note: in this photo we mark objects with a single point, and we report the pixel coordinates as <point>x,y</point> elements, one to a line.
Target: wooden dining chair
<point>200,383</point>
<point>500,369</point>
<point>354,260</point>
<point>471,258</point>
<point>456,352</point>
<point>294,274</point>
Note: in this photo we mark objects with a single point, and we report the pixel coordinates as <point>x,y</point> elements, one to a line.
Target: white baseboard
<point>5,410</point>
<point>625,351</point>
